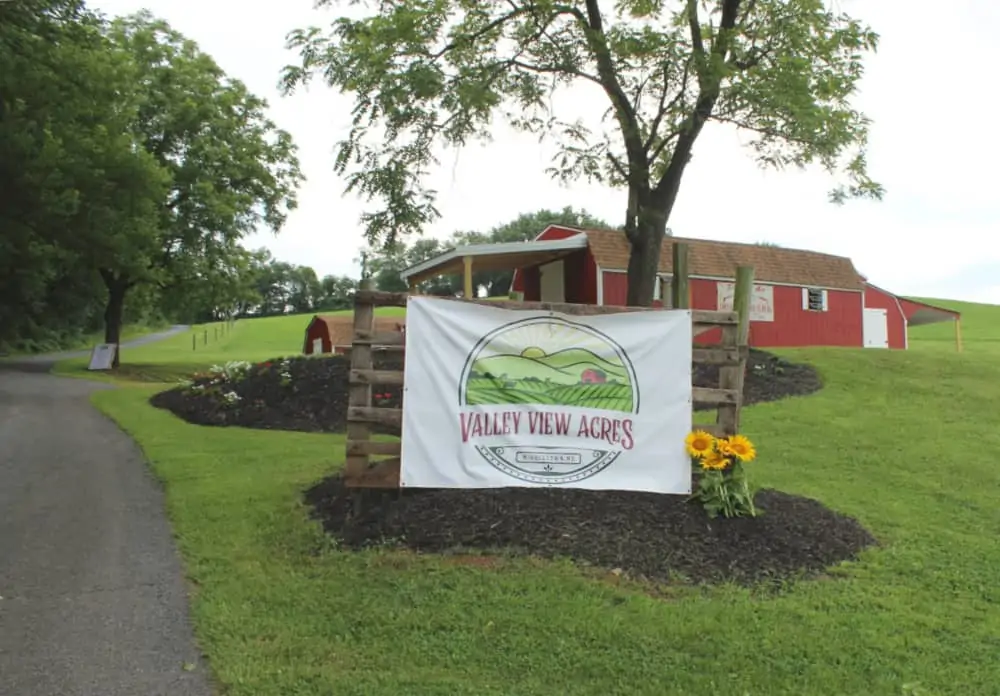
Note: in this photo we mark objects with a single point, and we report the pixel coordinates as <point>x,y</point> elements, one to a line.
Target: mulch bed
<point>315,398</point>
<point>647,536</point>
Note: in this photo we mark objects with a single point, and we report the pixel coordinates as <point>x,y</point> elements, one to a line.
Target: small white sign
<point>761,300</point>
<point>317,345</point>
<point>498,398</point>
<point>103,356</point>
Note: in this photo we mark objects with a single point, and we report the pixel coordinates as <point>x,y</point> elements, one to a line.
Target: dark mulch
<point>315,399</point>
<point>649,536</point>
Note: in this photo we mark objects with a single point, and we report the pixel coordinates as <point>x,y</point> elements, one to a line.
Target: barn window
<point>814,300</point>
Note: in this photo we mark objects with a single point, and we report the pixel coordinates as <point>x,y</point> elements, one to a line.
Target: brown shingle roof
<point>720,259</point>
<point>340,328</point>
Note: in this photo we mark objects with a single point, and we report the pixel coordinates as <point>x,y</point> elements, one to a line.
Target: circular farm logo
<point>570,393</point>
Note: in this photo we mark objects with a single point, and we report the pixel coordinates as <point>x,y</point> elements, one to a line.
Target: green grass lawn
<point>904,441</point>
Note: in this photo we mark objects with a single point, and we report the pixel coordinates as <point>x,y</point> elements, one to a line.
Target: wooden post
<point>215,333</point>
<point>360,394</point>
<point>194,342</point>
<point>467,277</point>
<point>680,289</point>
<point>741,301</point>
<point>206,337</point>
<point>731,377</point>
<point>958,334</point>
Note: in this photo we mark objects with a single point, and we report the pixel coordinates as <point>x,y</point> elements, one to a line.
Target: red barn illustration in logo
<point>593,377</point>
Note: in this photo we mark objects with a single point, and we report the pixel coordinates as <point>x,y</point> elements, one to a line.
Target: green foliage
<point>132,167</point>
<point>726,493</point>
<point>430,74</point>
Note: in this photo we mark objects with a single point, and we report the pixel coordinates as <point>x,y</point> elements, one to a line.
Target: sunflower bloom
<point>714,460</point>
<point>699,443</point>
<point>724,448</point>
<point>741,448</point>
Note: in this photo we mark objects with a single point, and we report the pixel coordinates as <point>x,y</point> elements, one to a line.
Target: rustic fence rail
<point>363,470</point>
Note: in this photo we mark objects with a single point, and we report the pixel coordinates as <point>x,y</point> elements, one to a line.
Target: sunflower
<point>724,448</point>
<point>741,448</point>
<point>699,443</point>
<point>714,460</point>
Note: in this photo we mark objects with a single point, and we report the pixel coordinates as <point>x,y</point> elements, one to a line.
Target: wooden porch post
<point>467,277</point>
<point>680,290</point>
<point>958,334</point>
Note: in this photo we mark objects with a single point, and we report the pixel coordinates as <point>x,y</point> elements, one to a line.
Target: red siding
<point>879,299</point>
<point>317,329</point>
<point>580,273</point>
<point>840,325</point>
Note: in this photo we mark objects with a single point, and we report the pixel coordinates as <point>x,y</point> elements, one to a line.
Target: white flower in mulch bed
<point>285,370</point>
<point>232,371</point>
<point>232,397</point>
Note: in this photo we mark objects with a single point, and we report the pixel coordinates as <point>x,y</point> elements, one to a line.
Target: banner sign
<point>761,300</point>
<point>498,397</point>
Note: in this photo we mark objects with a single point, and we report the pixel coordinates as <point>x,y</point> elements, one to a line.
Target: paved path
<point>44,362</point>
<point>93,600</point>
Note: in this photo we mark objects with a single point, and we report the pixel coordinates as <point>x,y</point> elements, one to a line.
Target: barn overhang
<point>918,313</point>
<point>464,260</point>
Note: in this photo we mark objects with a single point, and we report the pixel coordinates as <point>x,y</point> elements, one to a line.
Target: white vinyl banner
<point>497,397</point>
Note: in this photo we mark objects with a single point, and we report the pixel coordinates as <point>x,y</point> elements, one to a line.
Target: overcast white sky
<point>933,147</point>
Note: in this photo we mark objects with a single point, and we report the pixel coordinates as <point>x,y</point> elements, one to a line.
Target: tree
<point>432,74</point>
<point>225,169</point>
<point>65,167</point>
<point>337,293</point>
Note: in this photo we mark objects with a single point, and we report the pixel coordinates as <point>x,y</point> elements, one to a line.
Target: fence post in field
<point>216,333</point>
<point>680,291</point>
<point>205,340</point>
<point>194,342</point>
<point>731,377</point>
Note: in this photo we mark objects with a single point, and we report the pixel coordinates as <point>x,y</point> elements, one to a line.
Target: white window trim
<point>824,299</point>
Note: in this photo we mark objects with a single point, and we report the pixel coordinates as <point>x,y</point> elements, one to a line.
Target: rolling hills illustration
<point>563,367</point>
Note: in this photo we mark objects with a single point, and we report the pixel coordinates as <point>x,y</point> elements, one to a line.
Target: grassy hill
<point>249,339</point>
<point>279,609</point>
<point>980,328</point>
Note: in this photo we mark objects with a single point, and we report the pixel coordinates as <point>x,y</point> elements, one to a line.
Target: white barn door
<point>875,328</point>
<point>553,282</point>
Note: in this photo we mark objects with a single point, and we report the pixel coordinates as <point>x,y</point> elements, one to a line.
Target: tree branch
<point>624,110</point>
<point>709,86</point>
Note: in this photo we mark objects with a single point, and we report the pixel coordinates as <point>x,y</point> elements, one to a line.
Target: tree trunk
<point>650,226</point>
<point>114,310</point>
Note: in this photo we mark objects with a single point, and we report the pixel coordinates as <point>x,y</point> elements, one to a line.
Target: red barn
<point>334,333</point>
<point>800,298</point>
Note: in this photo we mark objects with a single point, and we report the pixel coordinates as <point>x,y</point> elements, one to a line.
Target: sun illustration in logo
<point>551,362</point>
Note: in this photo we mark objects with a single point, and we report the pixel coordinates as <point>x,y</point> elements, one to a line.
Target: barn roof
<point>340,327</point>
<point>719,260</point>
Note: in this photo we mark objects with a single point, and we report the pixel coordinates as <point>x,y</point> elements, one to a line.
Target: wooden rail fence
<point>375,464</point>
